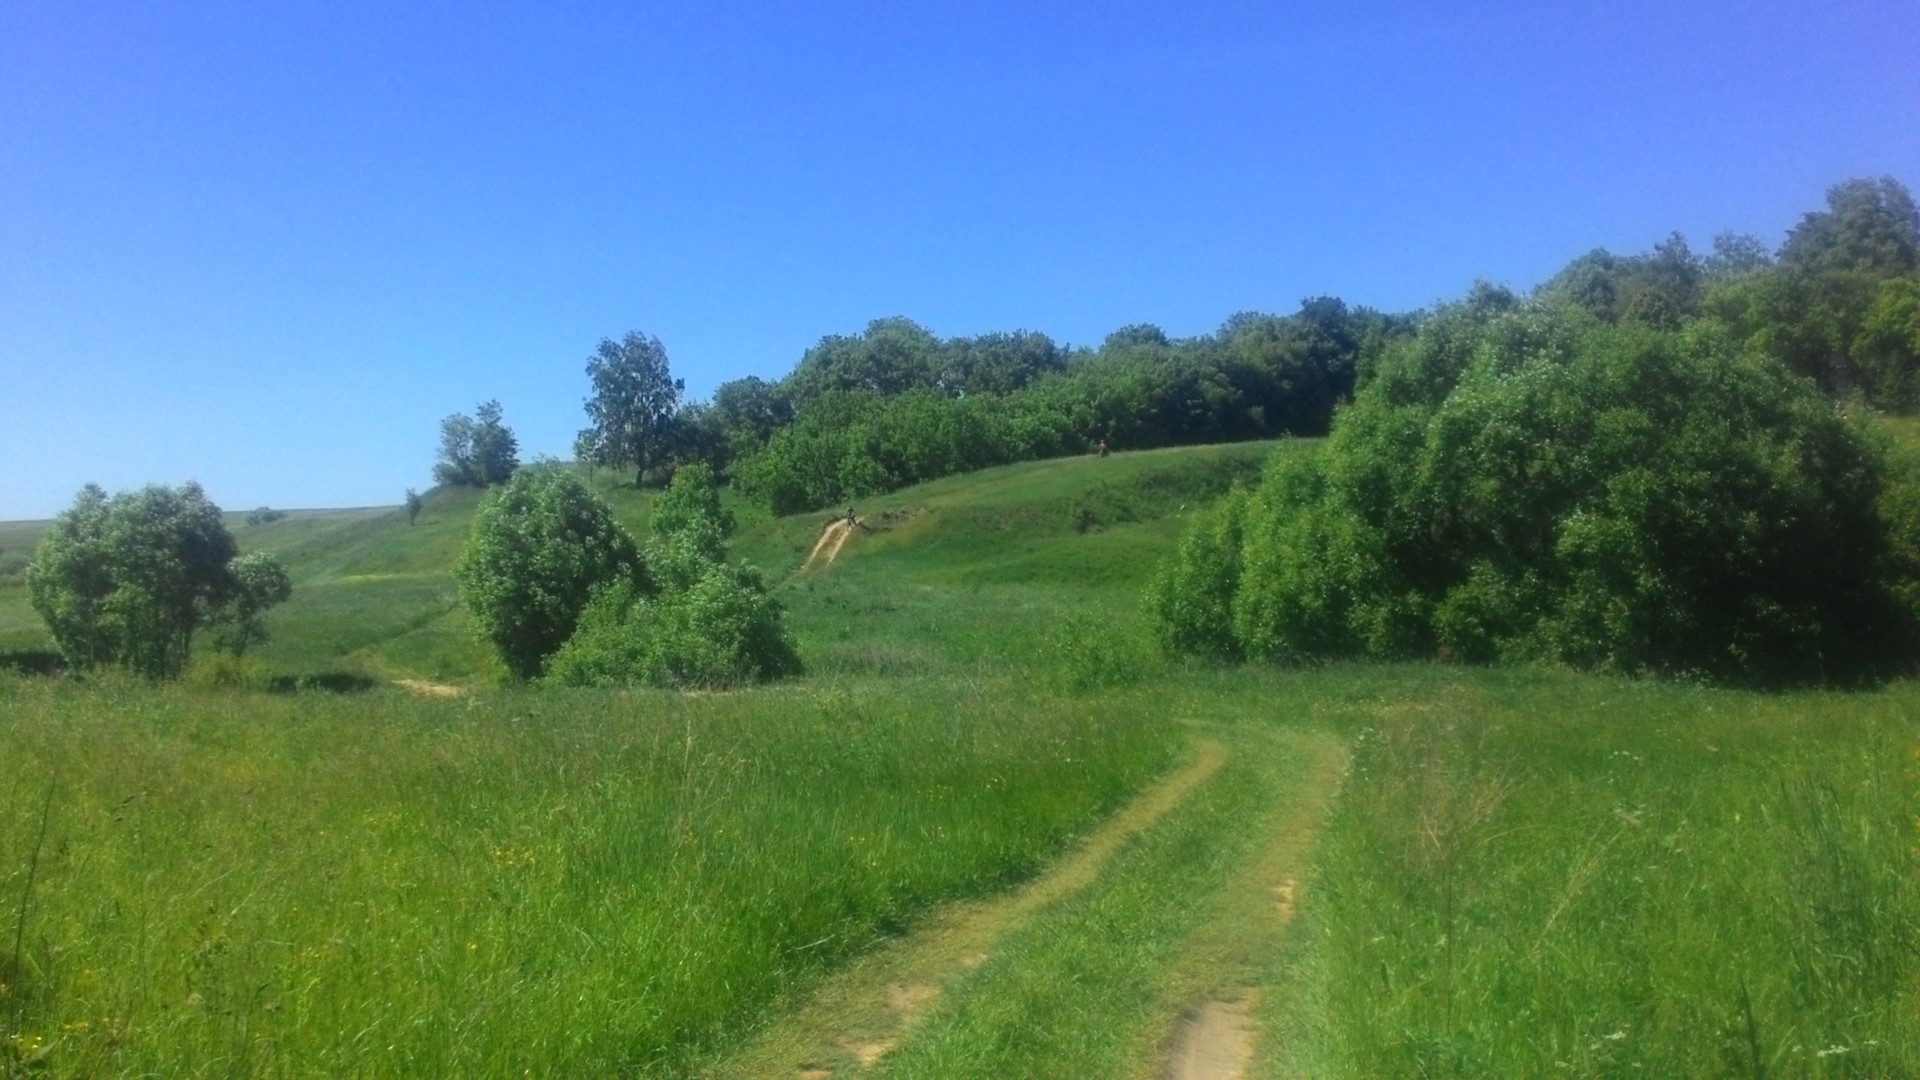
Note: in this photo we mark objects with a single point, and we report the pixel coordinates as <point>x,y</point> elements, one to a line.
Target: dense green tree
<point>750,410</point>
<point>691,507</point>
<point>997,363</point>
<point>703,622</point>
<point>129,579</point>
<point>634,404</point>
<point>476,451</point>
<point>892,356</point>
<point>1536,484</point>
<point>541,544</point>
<point>259,583</point>
<point>1658,288</point>
<point>1735,255</point>
<point>1870,226</point>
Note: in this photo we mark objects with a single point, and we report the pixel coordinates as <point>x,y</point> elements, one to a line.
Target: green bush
<point>721,630</point>
<point>129,579</point>
<point>541,545</point>
<point>1527,483</point>
<point>702,623</point>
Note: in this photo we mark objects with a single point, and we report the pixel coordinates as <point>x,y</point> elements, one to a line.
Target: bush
<point>128,580</point>
<point>721,630</point>
<point>541,545</point>
<point>1531,484</point>
<point>704,623</point>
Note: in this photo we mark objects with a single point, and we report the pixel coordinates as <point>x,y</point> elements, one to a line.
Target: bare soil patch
<point>427,688</point>
<point>1215,1042</point>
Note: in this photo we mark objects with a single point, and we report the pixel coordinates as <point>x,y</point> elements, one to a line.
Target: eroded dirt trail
<point>833,537</point>
<point>1218,1033</point>
<point>427,688</point>
<point>861,1013</point>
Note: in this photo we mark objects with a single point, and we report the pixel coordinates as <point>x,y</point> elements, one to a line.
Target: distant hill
<point>965,570</point>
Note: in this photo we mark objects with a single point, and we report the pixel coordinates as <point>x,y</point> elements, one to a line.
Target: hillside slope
<point>964,570</point>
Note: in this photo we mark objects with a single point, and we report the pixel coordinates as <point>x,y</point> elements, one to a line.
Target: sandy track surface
<point>426,688</point>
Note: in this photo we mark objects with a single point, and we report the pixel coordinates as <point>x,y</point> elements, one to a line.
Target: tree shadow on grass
<point>332,682</point>
<point>32,661</point>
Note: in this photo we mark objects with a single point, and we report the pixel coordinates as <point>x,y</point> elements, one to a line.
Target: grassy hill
<point>985,559</point>
<point>989,834</point>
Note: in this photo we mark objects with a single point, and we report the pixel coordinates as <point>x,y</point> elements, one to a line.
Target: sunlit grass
<point>571,884</point>
<point>1543,875</point>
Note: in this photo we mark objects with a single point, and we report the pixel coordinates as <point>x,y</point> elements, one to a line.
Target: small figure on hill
<point>851,520</point>
<point>414,505</point>
<point>1103,448</point>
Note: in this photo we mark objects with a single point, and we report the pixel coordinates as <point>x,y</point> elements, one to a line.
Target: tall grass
<point>544,884</point>
<point>1546,876</point>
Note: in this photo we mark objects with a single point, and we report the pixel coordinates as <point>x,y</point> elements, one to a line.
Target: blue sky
<point>268,245</point>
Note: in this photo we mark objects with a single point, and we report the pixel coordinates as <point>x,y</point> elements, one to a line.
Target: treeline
<point>896,405</point>
<point>1838,302</point>
<point>1658,464</point>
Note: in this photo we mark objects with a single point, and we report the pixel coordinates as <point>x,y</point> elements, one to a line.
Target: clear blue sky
<point>268,245</point>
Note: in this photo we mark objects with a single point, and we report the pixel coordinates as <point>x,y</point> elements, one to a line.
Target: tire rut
<point>861,1013</point>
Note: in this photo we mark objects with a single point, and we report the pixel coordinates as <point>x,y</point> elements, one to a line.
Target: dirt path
<point>1218,1033</point>
<point>861,1013</point>
<point>426,688</point>
<point>826,549</point>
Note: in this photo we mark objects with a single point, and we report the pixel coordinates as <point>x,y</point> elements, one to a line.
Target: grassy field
<point>921,860</point>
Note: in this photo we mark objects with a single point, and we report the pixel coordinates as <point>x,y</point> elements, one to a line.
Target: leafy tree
<point>1735,255</point>
<point>892,356</point>
<point>1868,225</point>
<point>702,622</point>
<point>129,579</point>
<point>997,363</point>
<point>541,544</point>
<point>750,410</point>
<point>691,507</point>
<point>259,583</point>
<point>635,398</point>
<point>476,451</point>
<point>1535,484</point>
<point>1659,288</point>
<point>415,504</point>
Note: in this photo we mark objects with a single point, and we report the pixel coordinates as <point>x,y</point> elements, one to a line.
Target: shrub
<point>541,545</point>
<point>703,623</point>
<point>722,629</point>
<point>129,579</point>
<point>1533,484</point>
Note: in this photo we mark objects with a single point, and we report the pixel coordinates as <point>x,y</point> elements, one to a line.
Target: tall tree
<point>1868,225</point>
<point>478,450</point>
<point>635,398</point>
<point>541,544</point>
<point>129,579</point>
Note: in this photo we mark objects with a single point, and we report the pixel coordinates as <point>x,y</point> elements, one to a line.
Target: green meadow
<point>990,833</point>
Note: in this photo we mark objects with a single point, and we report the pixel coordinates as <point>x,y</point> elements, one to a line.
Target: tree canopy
<point>541,544</point>
<point>129,579</point>
<point>1536,483</point>
<point>476,451</point>
<point>634,406</point>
